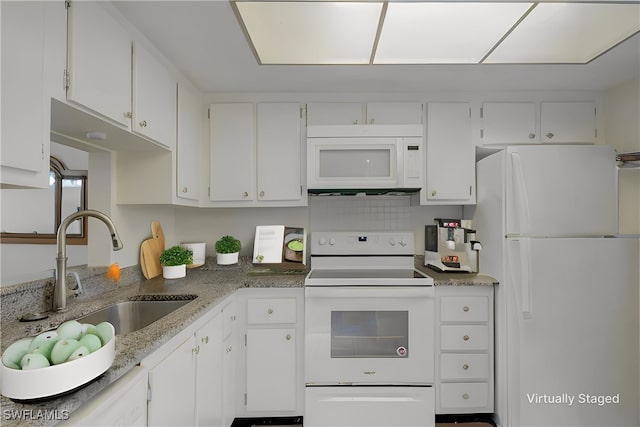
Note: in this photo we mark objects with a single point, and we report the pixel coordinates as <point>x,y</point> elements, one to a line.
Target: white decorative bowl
<point>57,379</point>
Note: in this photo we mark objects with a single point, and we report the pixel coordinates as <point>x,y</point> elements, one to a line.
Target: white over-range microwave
<point>365,157</point>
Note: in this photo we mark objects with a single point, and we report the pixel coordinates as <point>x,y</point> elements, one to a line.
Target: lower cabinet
<point>273,352</point>
<point>464,350</point>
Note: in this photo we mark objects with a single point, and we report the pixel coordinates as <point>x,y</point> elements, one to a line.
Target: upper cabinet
<point>117,79</point>
<point>256,154</point>
<point>192,116</point>
<point>33,52</point>
<point>99,62</point>
<point>567,122</point>
<point>521,123</point>
<point>450,174</point>
<point>355,113</point>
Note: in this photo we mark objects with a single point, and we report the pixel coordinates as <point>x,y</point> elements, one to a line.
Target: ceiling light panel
<point>311,32</point>
<point>568,33</point>
<point>439,32</point>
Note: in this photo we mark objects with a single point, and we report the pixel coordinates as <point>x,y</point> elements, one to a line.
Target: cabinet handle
<point>550,135</point>
<point>270,311</point>
<point>434,192</point>
<point>228,349</point>
<point>205,339</point>
<point>143,124</point>
<point>245,194</point>
<point>465,367</point>
<point>465,396</point>
<point>185,189</point>
<point>465,308</point>
<point>128,114</point>
<point>532,135</point>
<point>466,337</point>
<point>196,350</point>
<point>262,194</point>
<point>288,337</point>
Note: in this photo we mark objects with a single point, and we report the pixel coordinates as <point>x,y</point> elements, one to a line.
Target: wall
<point>622,131</point>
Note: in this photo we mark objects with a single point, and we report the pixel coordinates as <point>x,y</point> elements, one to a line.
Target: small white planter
<point>227,259</point>
<point>174,271</point>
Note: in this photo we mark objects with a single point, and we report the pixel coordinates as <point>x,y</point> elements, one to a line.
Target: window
<point>32,216</point>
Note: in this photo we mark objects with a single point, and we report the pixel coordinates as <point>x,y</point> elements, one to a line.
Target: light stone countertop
<point>211,283</point>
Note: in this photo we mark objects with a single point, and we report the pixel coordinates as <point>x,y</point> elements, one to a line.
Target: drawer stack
<point>464,348</point>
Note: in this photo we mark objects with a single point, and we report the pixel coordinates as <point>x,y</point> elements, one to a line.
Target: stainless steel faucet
<point>60,288</point>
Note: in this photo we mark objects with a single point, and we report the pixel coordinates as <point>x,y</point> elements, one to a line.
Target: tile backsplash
<point>367,213</point>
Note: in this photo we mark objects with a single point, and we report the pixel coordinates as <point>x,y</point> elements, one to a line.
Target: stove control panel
<point>362,243</point>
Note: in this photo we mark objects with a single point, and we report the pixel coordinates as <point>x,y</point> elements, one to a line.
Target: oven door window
<point>369,334</point>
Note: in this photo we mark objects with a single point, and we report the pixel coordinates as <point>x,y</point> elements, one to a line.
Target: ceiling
<point>207,44</point>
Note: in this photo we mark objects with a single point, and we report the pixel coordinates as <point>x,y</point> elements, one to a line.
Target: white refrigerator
<point>567,326</point>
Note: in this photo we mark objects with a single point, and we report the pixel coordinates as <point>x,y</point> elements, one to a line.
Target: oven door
<point>369,335</point>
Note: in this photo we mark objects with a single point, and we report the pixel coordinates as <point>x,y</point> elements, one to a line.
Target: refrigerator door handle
<point>520,190</point>
<point>525,277</point>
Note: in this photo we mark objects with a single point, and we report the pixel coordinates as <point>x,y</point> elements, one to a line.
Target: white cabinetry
<point>190,144</point>
<point>99,62</point>
<point>33,52</point>
<point>256,156</point>
<point>154,98</point>
<point>568,122</point>
<point>450,174</point>
<point>522,123</point>
<point>229,363</point>
<point>209,363</point>
<point>355,113</point>
<point>273,352</point>
<point>464,353</point>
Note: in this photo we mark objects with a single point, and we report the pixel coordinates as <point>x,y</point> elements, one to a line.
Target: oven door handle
<point>369,292</point>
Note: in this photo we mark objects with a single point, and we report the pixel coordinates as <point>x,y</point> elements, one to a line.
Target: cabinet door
<point>209,374</point>
<point>191,120</point>
<point>450,152</point>
<point>508,123</point>
<point>335,113</point>
<point>232,157</point>
<point>23,100</point>
<point>394,113</point>
<point>154,98</point>
<point>99,61</point>
<point>229,356</point>
<point>172,388</point>
<point>562,122</point>
<point>278,150</point>
<point>271,369</point>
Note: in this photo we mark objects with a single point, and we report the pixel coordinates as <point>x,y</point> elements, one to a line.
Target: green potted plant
<point>227,250</point>
<point>174,262</point>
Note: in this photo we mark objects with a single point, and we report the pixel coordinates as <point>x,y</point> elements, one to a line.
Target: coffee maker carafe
<point>451,248</point>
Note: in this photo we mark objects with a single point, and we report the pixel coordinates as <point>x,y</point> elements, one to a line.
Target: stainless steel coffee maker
<point>450,247</point>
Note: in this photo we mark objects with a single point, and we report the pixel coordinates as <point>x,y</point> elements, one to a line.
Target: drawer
<point>464,395</point>
<point>464,337</point>
<point>464,366</point>
<point>271,310</point>
<point>461,309</point>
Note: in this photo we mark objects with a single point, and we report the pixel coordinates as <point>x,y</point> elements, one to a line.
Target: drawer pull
<point>465,367</point>
<point>466,337</point>
<point>465,308</point>
<point>288,337</point>
<point>270,311</point>
<point>465,396</point>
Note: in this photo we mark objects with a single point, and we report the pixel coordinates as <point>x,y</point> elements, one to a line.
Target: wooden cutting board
<point>150,251</point>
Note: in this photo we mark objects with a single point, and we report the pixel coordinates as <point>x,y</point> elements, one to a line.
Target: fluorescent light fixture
<point>434,32</point>
<point>568,33</point>
<point>311,32</point>
<point>452,32</point>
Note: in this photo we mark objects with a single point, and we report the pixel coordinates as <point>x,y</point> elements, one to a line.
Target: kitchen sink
<point>132,315</point>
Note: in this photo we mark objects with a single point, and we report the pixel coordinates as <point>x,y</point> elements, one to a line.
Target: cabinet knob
<point>205,340</point>
<point>465,396</point>
<point>434,192</point>
<point>196,350</point>
<point>185,189</point>
<point>288,337</point>
<point>532,135</point>
<point>466,337</point>
<point>550,135</point>
<point>245,194</point>
<point>465,367</point>
<point>143,124</point>
<point>128,114</point>
<point>228,349</point>
<point>262,194</point>
<point>270,311</point>
<point>465,308</point>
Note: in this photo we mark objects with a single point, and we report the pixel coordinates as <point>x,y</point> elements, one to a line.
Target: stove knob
<point>403,243</point>
<point>322,241</point>
<point>332,242</point>
<point>392,241</point>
